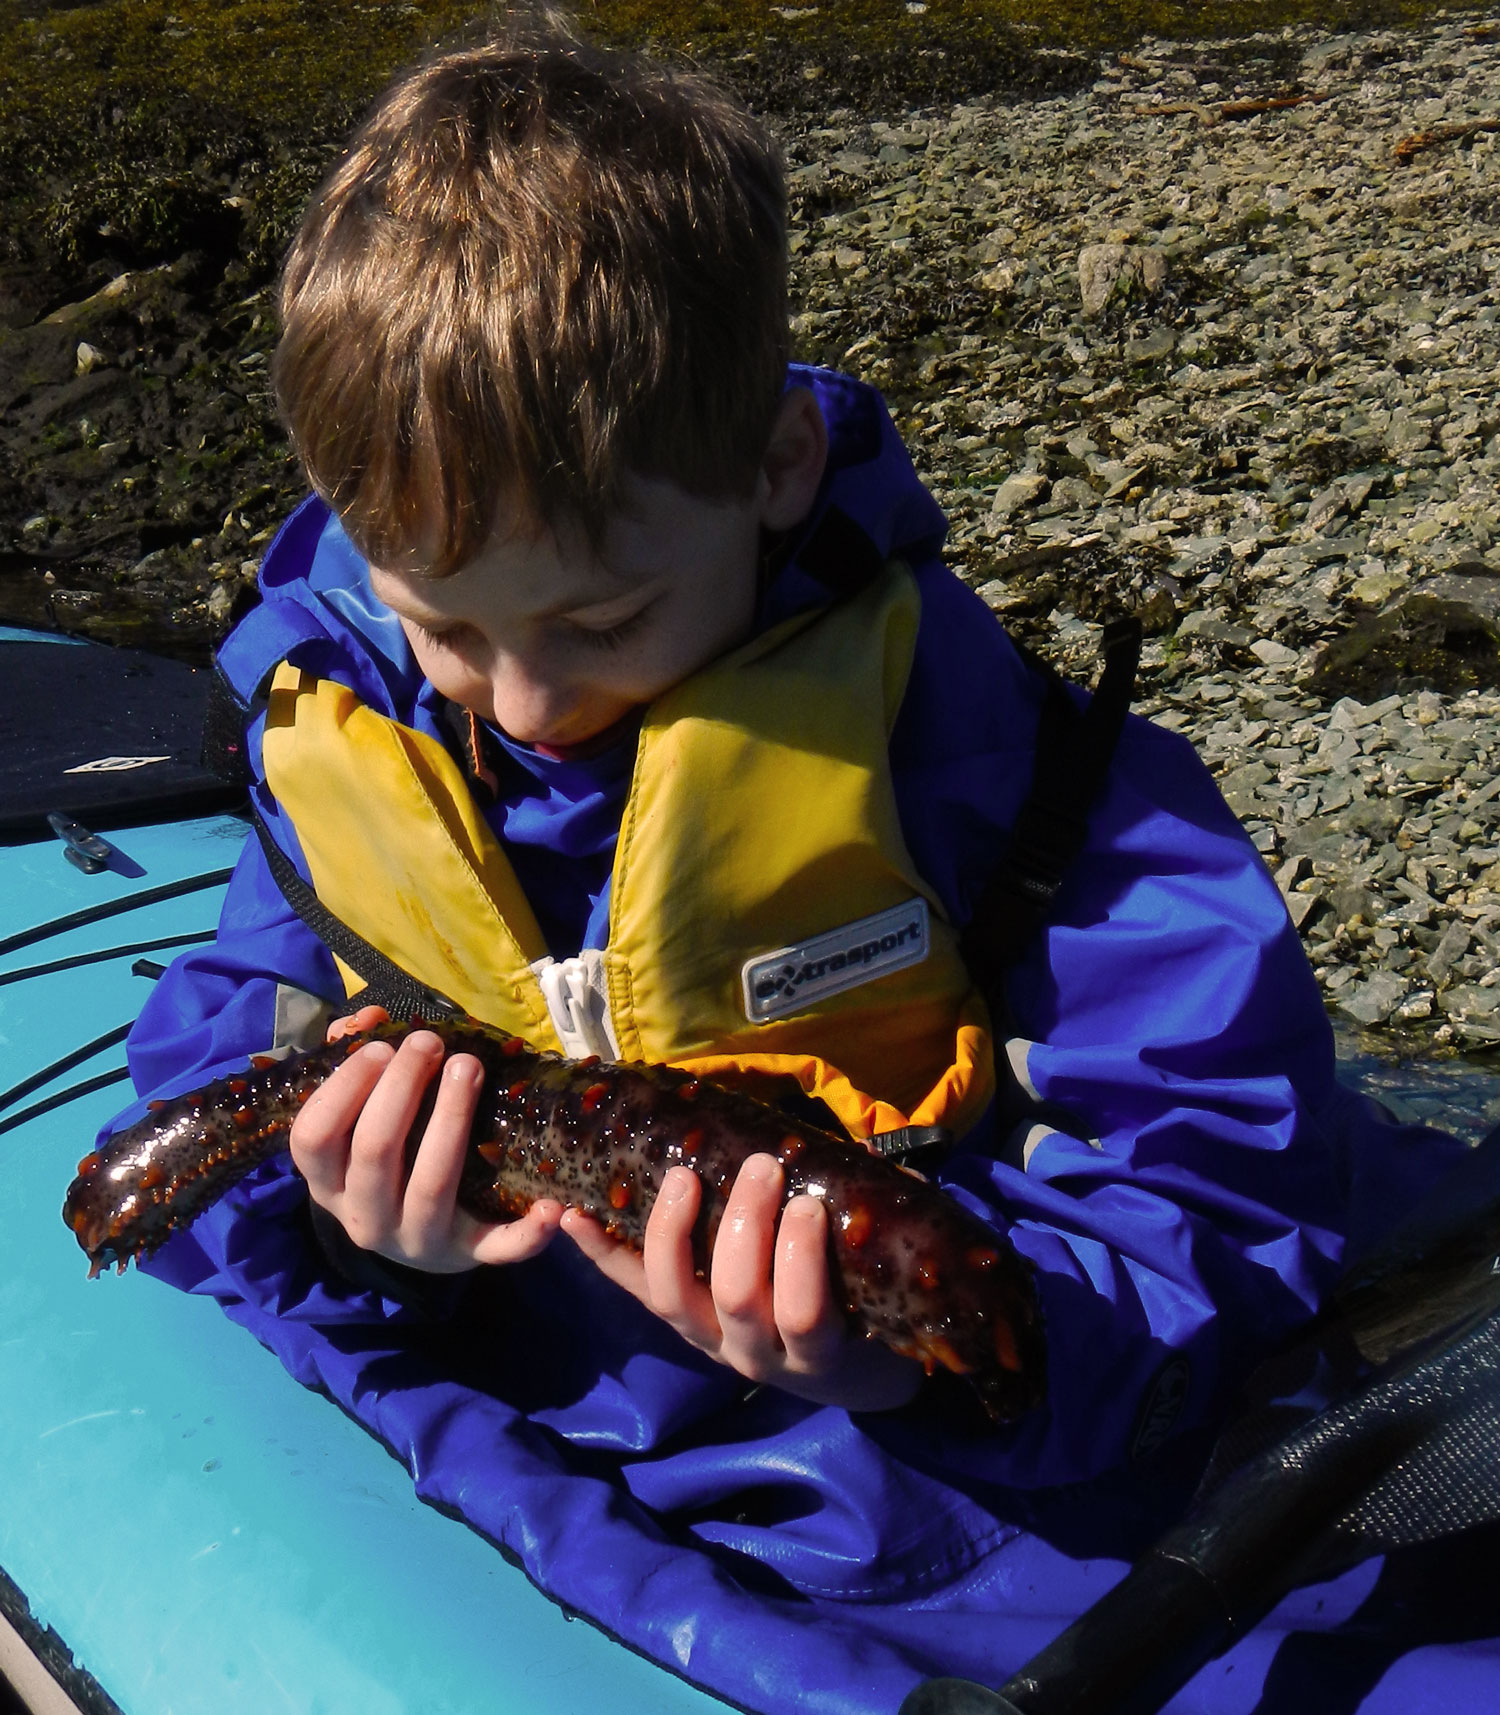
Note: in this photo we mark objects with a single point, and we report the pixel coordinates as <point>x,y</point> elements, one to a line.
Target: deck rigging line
<point>114,908</point>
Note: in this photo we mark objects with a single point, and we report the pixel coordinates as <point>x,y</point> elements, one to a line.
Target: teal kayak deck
<point>201,1532</point>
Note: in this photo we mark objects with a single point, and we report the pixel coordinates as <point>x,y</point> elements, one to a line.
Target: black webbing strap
<point>388,985</point>
<point>1073,754</point>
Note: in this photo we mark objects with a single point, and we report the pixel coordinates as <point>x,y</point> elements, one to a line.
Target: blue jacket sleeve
<point>257,1250</point>
<point>1173,1152</point>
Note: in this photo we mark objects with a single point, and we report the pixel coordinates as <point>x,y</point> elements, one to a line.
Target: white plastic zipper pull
<point>579,1006</point>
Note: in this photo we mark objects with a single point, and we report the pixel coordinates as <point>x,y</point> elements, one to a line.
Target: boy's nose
<point>531,706</point>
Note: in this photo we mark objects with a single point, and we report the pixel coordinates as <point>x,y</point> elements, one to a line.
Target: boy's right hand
<point>349,1144</point>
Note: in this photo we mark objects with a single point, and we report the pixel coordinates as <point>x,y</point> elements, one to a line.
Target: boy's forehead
<point>529,570</point>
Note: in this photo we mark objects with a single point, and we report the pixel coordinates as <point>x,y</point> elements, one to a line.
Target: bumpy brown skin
<point>913,1268</point>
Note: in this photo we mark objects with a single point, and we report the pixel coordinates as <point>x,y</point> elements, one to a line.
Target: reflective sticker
<point>1034,1135</point>
<point>302,1021</point>
<point>794,978</point>
<point>114,764</point>
<point>1018,1055</point>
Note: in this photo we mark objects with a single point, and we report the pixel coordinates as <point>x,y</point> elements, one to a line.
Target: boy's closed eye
<point>612,636</point>
<point>444,636</point>
<point>601,631</point>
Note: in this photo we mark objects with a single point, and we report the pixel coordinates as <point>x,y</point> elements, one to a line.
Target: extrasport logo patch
<point>794,978</point>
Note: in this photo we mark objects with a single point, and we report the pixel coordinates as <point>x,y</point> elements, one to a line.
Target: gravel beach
<point>1210,337</point>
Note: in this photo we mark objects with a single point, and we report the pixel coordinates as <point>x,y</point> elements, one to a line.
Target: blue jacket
<point>1186,1175</point>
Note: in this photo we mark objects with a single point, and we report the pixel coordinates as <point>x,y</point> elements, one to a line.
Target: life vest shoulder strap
<point>388,984</point>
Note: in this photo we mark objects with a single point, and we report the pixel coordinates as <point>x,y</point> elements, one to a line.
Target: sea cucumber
<point>913,1267</point>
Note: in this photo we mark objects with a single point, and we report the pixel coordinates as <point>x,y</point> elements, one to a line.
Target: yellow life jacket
<point>766,919</point>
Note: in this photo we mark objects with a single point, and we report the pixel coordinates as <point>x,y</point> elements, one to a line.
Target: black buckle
<point>82,849</point>
<point>923,1147</point>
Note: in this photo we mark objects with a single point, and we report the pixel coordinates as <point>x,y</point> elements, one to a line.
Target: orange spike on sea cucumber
<point>856,1224</point>
<point>1006,1350</point>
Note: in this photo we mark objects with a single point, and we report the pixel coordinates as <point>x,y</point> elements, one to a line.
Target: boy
<point>610,687</point>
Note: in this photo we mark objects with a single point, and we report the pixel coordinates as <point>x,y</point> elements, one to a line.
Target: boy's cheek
<point>468,689</point>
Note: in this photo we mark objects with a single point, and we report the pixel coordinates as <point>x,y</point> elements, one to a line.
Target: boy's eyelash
<point>617,634</point>
<point>612,638</point>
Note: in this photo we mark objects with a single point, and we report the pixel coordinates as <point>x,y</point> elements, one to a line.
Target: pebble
<point>1233,370</point>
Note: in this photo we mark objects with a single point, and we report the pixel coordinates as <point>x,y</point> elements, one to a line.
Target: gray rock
<point>1373,1000</point>
<point>1017,491</point>
<point>1469,1000</point>
<point>1150,347</point>
<point>1116,272</point>
<point>1453,945</point>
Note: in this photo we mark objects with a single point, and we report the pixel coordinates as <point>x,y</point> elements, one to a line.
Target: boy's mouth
<point>587,747</point>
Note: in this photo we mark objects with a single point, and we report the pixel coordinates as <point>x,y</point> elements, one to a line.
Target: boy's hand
<point>349,1144</point>
<point>767,1309</point>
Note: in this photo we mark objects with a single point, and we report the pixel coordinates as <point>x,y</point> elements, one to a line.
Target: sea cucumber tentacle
<point>911,1266</point>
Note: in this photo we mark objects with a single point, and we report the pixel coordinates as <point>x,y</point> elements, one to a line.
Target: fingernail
<point>461,1072</point>
<point>760,1169</point>
<point>675,1186</point>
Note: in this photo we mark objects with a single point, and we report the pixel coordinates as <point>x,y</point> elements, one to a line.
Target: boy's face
<point>557,644</point>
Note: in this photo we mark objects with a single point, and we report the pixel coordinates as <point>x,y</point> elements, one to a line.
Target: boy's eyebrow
<point>575,606</point>
<point>404,608</point>
<point>633,600</point>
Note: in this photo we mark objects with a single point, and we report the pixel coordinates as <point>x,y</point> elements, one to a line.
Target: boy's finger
<point>614,1261</point>
<point>365,1019</point>
<point>512,1241</point>
<point>807,1319</point>
<point>740,1275</point>
<point>673,1290</point>
<point>432,1189</point>
<point>376,1175</point>
<point>320,1137</point>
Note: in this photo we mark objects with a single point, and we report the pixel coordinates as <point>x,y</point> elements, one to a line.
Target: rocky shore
<point>1206,334</point>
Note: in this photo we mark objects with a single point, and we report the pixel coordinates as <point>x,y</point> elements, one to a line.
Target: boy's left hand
<point>767,1308</point>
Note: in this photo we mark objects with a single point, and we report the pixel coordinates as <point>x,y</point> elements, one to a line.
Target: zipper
<point>578,1003</point>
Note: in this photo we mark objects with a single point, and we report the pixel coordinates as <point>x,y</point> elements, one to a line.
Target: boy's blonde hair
<point>541,267</point>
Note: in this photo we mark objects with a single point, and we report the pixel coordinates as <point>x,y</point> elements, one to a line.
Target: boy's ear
<point>794,459</point>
